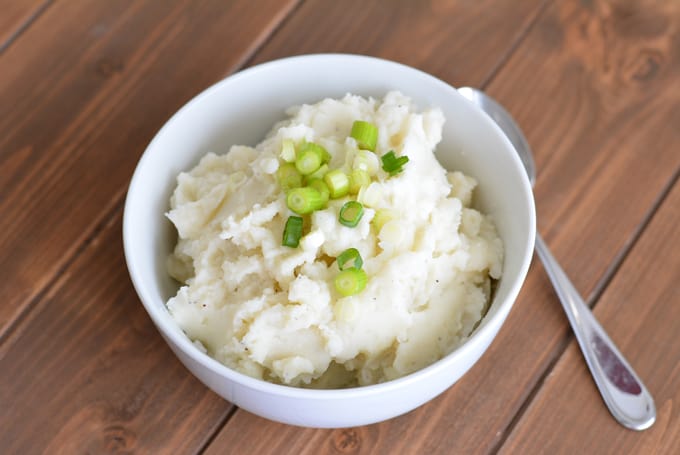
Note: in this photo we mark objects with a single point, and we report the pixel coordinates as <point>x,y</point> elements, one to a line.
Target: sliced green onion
<point>351,213</point>
<point>351,256</point>
<point>325,156</point>
<point>357,180</point>
<point>338,183</point>
<point>292,232</point>
<point>319,173</point>
<point>351,281</point>
<point>366,134</point>
<point>393,164</point>
<point>288,150</point>
<point>366,161</point>
<point>320,186</point>
<point>371,195</point>
<point>316,148</point>
<point>289,177</point>
<point>381,217</point>
<point>304,200</point>
<point>308,161</point>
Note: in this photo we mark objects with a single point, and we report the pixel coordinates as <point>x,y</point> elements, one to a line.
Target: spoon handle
<point>622,390</point>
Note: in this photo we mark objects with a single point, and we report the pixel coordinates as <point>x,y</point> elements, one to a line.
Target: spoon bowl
<point>622,390</point>
<point>505,121</point>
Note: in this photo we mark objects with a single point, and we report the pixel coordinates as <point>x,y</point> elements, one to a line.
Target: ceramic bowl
<point>240,110</point>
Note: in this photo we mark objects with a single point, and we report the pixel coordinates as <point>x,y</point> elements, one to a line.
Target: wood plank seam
<point>514,45</point>
<point>23,27</point>
<point>13,328</point>
<point>97,413</point>
<point>538,385</point>
<point>217,428</point>
<point>596,167</point>
<point>615,265</point>
<point>600,288</point>
<point>650,274</point>
<point>250,56</point>
<point>140,62</point>
<point>118,198</point>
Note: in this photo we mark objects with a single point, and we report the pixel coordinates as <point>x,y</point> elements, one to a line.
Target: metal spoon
<point>622,390</point>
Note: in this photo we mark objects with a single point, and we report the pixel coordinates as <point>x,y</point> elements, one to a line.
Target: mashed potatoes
<point>272,312</point>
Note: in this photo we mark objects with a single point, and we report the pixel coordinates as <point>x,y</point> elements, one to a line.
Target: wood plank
<point>449,39</point>
<point>16,15</point>
<point>595,88</point>
<point>593,83</point>
<point>88,372</point>
<point>641,309</point>
<point>81,94</point>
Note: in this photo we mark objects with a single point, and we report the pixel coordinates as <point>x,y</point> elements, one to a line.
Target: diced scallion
<point>304,200</point>
<point>351,213</point>
<point>381,217</point>
<point>288,150</point>
<point>319,173</point>
<point>308,160</point>
<point>322,188</point>
<point>366,134</point>
<point>350,281</point>
<point>366,161</point>
<point>338,183</point>
<point>357,180</point>
<point>371,195</point>
<point>316,148</point>
<point>289,177</point>
<point>393,164</point>
<point>350,258</point>
<point>292,232</point>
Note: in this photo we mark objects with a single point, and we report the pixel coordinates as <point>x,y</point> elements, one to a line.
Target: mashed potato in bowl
<point>273,311</point>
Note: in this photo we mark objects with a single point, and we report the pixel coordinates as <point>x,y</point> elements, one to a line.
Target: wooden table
<point>84,86</point>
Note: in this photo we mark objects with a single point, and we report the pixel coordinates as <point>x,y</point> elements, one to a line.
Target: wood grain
<point>85,87</point>
<point>81,94</point>
<point>460,42</point>
<point>605,149</point>
<point>17,15</point>
<point>640,310</point>
<point>595,87</point>
<point>88,373</point>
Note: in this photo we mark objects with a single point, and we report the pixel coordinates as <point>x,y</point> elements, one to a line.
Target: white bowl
<point>240,110</point>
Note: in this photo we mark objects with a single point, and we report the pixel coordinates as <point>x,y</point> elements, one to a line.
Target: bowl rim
<point>183,343</point>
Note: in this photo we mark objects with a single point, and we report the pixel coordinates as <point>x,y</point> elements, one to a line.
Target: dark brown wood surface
<point>85,85</point>
<point>638,307</point>
<point>17,15</point>
<point>79,76</point>
<point>87,372</point>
